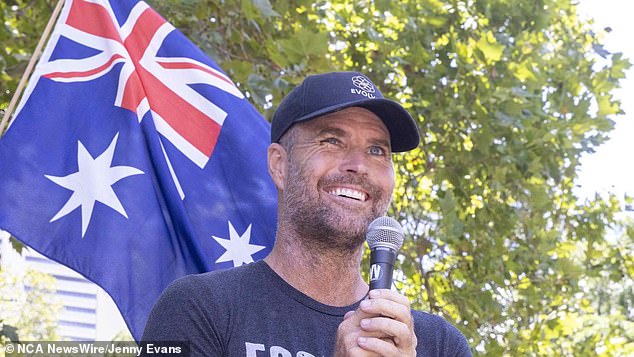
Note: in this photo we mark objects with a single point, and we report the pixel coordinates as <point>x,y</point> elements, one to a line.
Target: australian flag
<point>133,159</point>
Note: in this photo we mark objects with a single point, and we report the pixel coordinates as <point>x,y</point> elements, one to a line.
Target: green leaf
<point>265,8</point>
<point>304,44</point>
<point>490,48</point>
<point>523,71</point>
<point>248,9</point>
<point>607,106</point>
<point>16,245</point>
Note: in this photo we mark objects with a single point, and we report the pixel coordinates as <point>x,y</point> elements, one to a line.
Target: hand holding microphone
<point>382,325</point>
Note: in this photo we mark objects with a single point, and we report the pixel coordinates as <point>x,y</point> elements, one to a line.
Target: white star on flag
<point>92,182</point>
<point>237,247</point>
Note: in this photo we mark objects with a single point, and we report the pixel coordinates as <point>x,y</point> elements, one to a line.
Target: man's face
<point>339,178</point>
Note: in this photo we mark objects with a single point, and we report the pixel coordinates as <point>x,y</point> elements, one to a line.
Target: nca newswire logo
<point>94,349</point>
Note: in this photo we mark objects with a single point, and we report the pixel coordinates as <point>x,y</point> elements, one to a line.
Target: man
<point>330,158</point>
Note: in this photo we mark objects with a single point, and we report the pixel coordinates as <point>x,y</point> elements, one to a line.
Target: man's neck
<point>330,277</point>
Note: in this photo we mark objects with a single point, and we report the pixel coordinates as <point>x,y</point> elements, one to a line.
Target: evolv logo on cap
<point>365,87</point>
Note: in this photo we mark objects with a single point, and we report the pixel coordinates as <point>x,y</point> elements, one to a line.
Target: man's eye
<point>333,141</point>
<point>377,150</point>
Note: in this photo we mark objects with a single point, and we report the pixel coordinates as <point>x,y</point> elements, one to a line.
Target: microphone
<point>385,238</point>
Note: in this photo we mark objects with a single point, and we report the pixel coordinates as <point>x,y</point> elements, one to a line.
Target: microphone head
<point>385,232</point>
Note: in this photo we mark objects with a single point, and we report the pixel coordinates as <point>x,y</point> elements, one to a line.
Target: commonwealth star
<point>93,182</point>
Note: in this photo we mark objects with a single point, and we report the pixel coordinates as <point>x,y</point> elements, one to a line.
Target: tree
<point>508,95</point>
<point>22,23</point>
<point>28,308</point>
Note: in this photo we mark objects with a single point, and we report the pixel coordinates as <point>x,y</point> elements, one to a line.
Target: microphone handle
<point>381,267</point>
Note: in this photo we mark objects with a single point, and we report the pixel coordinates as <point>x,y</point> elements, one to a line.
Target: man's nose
<point>354,161</point>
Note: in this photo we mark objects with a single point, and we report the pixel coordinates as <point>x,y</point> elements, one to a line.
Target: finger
<point>347,334</point>
<point>399,332</point>
<point>354,317</point>
<point>379,346</point>
<point>387,308</point>
<point>389,295</point>
<point>348,315</point>
<point>353,328</point>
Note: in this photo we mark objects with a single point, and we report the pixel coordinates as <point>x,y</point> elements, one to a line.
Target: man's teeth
<point>350,193</point>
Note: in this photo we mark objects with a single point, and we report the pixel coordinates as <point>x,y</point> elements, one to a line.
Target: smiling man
<point>330,157</point>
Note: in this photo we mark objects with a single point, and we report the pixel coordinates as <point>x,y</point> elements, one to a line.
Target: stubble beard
<point>321,225</point>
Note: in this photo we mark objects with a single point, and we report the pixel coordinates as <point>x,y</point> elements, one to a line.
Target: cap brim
<point>402,127</point>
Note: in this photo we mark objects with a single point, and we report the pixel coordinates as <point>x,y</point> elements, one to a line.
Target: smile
<point>349,193</point>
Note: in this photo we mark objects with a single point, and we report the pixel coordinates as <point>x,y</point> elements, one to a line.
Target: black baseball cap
<point>326,93</point>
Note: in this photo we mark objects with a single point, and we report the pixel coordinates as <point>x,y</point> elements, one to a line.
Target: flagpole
<point>29,67</point>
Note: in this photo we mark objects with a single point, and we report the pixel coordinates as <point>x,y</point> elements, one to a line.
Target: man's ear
<point>277,164</point>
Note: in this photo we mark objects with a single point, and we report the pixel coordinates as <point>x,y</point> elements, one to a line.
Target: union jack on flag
<point>134,159</point>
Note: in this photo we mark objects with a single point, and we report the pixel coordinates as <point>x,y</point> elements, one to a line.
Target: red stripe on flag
<point>92,18</point>
<point>195,127</point>
<point>85,73</point>
<point>133,93</point>
<point>187,65</point>
<point>142,33</point>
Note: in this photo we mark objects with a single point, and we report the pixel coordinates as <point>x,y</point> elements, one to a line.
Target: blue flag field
<point>133,159</point>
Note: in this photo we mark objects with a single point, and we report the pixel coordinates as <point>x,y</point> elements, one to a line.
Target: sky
<point>611,167</point>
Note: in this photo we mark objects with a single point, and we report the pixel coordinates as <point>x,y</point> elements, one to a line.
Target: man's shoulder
<point>434,330</point>
<point>428,323</point>
<point>429,319</point>
<point>212,283</point>
<point>220,275</point>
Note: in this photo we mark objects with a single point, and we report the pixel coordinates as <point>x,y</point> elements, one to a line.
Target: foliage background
<point>508,95</point>
<point>28,308</point>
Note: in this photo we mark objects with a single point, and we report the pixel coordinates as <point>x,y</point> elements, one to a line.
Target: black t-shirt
<point>251,311</point>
